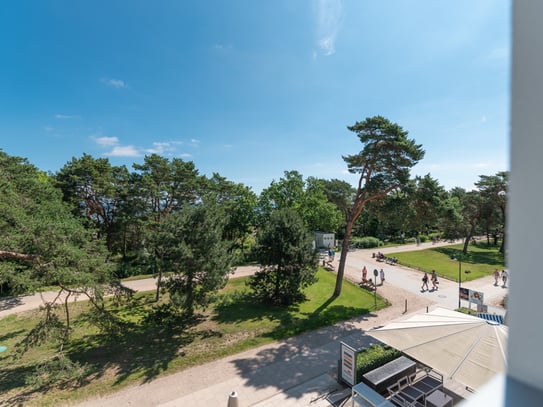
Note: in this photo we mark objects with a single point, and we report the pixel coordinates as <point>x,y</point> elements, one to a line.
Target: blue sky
<point>250,89</point>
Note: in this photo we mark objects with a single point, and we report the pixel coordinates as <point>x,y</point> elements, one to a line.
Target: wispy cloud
<point>114,83</point>
<point>329,13</point>
<point>66,116</point>
<point>163,147</point>
<point>124,151</point>
<point>116,150</point>
<point>107,141</point>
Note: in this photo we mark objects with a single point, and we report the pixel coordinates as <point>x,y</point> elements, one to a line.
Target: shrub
<point>366,242</point>
<point>374,357</point>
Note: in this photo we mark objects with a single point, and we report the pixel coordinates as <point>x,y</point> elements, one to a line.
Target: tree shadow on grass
<point>144,350</point>
<point>13,378</point>
<point>490,256</point>
<point>11,335</point>
<point>289,321</point>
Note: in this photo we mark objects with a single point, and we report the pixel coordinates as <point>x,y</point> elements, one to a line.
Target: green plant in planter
<point>374,357</point>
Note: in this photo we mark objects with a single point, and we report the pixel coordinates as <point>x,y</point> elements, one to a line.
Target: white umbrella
<point>465,348</point>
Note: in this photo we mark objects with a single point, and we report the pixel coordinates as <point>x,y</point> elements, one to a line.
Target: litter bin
<point>233,399</point>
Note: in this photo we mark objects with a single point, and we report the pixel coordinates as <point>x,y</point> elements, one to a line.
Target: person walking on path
<point>434,280</point>
<point>505,275</point>
<point>424,282</point>
<point>364,274</point>
<point>496,275</point>
<point>382,275</point>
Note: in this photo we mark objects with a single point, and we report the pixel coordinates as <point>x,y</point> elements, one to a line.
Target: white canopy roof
<point>468,349</point>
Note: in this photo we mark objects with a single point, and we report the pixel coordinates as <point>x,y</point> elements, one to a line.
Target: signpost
<point>476,297</point>
<point>375,273</point>
<point>348,364</point>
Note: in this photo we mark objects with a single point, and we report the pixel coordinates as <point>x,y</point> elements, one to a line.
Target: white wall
<point>525,223</point>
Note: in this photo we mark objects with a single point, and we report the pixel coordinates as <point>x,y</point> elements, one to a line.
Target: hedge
<point>374,357</point>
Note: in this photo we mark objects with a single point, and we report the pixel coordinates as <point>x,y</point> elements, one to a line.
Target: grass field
<point>480,261</point>
<point>154,343</point>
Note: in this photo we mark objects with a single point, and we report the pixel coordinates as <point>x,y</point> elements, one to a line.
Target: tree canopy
<point>383,165</point>
<point>287,260</point>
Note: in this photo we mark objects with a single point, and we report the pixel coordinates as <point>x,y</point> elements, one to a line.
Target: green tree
<point>466,210</point>
<point>190,245</point>
<point>493,190</point>
<point>451,218</point>
<point>384,165</point>
<point>162,187</point>
<point>43,244</point>
<point>425,197</point>
<point>307,198</point>
<point>238,203</point>
<point>96,189</point>
<point>340,193</point>
<point>287,260</point>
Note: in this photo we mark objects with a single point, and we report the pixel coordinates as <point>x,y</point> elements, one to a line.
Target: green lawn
<point>480,261</point>
<point>154,343</point>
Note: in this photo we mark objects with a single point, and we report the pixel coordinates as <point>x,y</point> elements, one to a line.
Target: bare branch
<point>17,256</point>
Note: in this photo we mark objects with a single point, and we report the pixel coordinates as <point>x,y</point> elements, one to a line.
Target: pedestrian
<point>364,274</point>
<point>425,281</point>
<point>434,280</point>
<point>382,275</point>
<point>505,275</point>
<point>496,275</point>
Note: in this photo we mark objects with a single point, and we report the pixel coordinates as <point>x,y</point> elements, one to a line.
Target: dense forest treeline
<point>51,222</point>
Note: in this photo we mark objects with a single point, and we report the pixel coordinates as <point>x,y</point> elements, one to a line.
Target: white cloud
<point>116,149</point>
<point>106,141</point>
<point>65,116</point>
<point>329,13</point>
<point>124,151</point>
<point>163,147</point>
<point>114,83</point>
<point>185,155</point>
<point>194,142</point>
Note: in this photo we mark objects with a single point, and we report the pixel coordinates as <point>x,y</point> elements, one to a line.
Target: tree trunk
<point>468,238</point>
<point>159,280</point>
<point>343,257</point>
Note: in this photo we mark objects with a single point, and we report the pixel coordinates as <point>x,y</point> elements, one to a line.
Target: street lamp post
<point>459,276</point>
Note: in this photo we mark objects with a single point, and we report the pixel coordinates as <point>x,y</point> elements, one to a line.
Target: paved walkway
<point>299,371</point>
